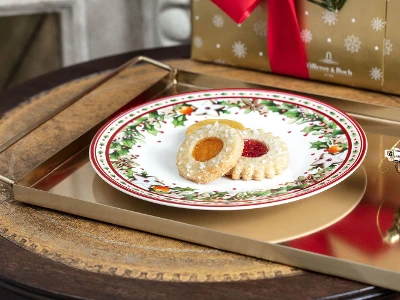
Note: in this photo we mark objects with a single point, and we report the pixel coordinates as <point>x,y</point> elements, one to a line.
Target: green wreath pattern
<point>329,135</point>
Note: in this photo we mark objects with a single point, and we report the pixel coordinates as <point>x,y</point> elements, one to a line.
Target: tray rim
<point>282,254</point>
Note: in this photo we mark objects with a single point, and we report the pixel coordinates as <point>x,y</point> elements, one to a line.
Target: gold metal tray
<point>339,232</point>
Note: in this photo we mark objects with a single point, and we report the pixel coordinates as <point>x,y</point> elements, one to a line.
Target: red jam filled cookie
<point>263,156</point>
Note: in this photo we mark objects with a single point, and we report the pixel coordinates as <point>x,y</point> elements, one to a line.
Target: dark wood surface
<point>25,275</point>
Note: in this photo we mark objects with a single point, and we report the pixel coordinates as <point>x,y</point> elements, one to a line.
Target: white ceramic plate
<point>136,151</point>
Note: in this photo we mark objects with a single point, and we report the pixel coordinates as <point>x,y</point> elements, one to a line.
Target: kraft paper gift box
<point>356,43</point>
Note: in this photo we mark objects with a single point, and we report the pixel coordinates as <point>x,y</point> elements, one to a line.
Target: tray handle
<point>115,72</point>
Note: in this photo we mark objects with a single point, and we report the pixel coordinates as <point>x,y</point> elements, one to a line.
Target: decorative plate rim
<point>155,198</point>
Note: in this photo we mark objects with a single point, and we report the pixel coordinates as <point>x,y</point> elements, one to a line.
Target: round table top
<point>26,275</point>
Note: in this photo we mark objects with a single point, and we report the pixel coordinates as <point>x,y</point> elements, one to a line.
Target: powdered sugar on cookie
<point>209,152</point>
<point>217,149</point>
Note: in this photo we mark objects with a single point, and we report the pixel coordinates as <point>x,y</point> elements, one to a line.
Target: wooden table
<point>24,275</point>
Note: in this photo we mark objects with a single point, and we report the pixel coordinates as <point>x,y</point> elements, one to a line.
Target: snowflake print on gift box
<point>329,17</point>
<point>197,41</point>
<point>352,43</point>
<point>375,73</point>
<point>218,21</point>
<point>260,28</point>
<point>239,49</point>
<point>388,47</point>
<point>306,36</point>
<point>377,24</point>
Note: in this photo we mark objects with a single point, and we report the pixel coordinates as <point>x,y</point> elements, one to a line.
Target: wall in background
<point>29,46</point>
<point>38,36</point>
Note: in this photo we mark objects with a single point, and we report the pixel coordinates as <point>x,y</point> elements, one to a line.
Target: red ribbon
<point>286,52</point>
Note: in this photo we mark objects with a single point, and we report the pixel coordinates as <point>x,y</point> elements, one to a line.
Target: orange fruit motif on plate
<point>186,110</point>
<point>161,188</point>
<point>198,125</point>
<point>335,149</point>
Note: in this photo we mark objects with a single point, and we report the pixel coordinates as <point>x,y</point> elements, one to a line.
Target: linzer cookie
<point>264,156</point>
<point>231,123</point>
<point>209,152</point>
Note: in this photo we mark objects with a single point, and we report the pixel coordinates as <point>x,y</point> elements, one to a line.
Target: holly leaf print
<point>282,189</point>
<point>261,193</point>
<point>330,168</point>
<point>337,132</point>
<point>292,114</point>
<point>130,174</point>
<point>271,106</point>
<point>291,187</point>
<point>114,155</point>
<point>128,142</point>
<point>124,150</point>
<point>190,197</point>
<point>332,125</point>
<point>248,110</point>
<point>150,128</point>
<point>179,120</point>
<point>115,145</point>
<point>139,136</point>
<point>218,195</point>
<point>127,131</point>
<point>119,150</point>
<point>319,145</point>
<point>183,189</point>
<point>138,121</point>
<point>235,103</point>
<point>303,186</point>
<point>274,108</point>
<point>225,112</point>
<point>154,114</point>
<point>288,106</point>
<point>313,128</point>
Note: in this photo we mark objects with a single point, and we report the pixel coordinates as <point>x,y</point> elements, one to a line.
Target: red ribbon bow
<point>285,49</point>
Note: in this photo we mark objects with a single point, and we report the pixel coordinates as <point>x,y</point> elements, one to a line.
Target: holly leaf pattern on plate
<point>319,145</point>
<point>179,120</point>
<point>129,140</point>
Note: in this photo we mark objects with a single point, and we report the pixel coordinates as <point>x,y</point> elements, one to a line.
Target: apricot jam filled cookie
<point>264,156</point>
<point>209,152</point>
<point>231,123</point>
